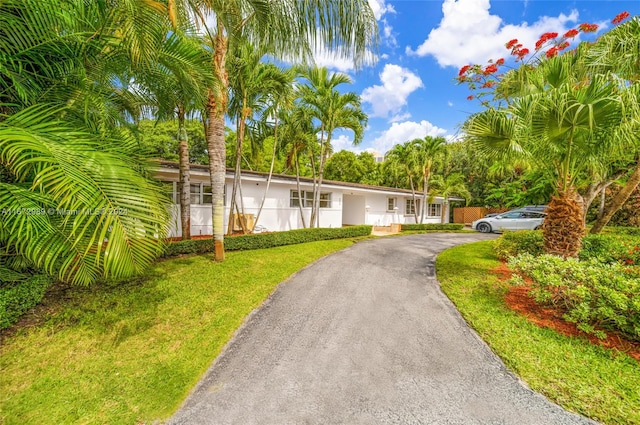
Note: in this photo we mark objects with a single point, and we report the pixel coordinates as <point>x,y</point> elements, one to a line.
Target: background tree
<point>451,185</point>
<point>428,150</point>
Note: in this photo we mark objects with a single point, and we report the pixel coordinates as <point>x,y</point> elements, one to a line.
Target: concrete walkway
<point>365,336</point>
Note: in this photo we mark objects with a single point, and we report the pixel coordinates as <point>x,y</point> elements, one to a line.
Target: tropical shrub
<point>593,295</point>
<point>266,240</point>
<point>510,244</point>
<point>17,297</point>
<point>434,226</point>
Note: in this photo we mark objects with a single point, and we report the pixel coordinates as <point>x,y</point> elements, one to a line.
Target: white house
<point>341,204</point>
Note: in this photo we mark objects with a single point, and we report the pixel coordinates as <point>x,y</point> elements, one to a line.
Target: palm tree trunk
<point>443,211</point>
<point>563,227</point>
<point>413,197</point>
<point>618,200</point>
<point>304,224</point>
<point>216,144</point>
<point>425,193</point>
<point>603,198</point>
<point>237,173</point>
<point>185,183</point>
<point>273,161</point>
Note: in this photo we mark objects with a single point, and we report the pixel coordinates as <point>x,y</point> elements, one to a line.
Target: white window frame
<point>411,207</point>
<point>392,204</point>
<point>435,210</point>
<point>307,198</point>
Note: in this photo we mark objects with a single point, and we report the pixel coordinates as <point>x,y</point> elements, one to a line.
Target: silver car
<point>512,220</point>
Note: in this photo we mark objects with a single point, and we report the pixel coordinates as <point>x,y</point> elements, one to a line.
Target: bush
<point>592,294</point>
<point>17,297</point>
<point>266,240</point>
<point>510,244</point>
<point>446,226</point>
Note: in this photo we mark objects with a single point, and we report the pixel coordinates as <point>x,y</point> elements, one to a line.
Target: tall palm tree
<point>83,205</point>
<point>252,83</point>
<point>405,156</point>
<point>428,149</point>
<point>178,85</point>
<point>333,110</point>
<point>566,120</point>
<point>292,28</point>
<point>452,185</point>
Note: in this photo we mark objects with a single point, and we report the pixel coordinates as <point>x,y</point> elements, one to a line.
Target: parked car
<point>538,208</point>
<point>511,220</point>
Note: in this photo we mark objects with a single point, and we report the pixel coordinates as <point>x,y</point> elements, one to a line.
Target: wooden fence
<point>468,214</point>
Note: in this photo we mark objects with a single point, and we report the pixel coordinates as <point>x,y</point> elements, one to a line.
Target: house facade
<point>341,204</point>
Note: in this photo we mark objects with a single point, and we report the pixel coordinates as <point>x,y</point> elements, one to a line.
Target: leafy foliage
<point>19,296</point>
<point>593,295</point>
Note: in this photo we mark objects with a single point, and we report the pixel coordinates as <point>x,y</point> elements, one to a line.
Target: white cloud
<point>404,132</point>
<point>469,33</point>
<point>388,99</point>
<point>380,7</point>
<point>342,142</point>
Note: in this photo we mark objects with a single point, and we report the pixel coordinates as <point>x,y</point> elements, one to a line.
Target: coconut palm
<point>292,29</point>
<point>567,121</point>
<point>452,185</point>
<point>333,110</point>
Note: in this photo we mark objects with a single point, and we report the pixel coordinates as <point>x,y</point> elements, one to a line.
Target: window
<point>201,194</point>
<point>435,210</point>
<point>391,204</point>
<point>411,206</point>
<point>307,199</point>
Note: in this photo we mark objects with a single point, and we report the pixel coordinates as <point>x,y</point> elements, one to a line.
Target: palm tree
<point>405,157</point>
<point>292,29</point>
<point>453,185</point>
<point>81,201</point>
<point>178,84</point>
<point>333,110</point>
<point>427,151</point>
<point>619,51</point>
<point>252,85</point>
<point>566,120</point>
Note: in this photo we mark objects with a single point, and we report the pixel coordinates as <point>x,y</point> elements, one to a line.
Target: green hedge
<point>17,297</point>
<point>447,226</point>
<point>266,240</point>
<point>605,248</point>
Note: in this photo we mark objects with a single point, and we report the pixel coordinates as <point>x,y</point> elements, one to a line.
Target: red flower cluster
<point>511,43</point>
<point>620,17</point>
<point>588,27</point>
<point>544,38</point>
<point>464,70</point>
<point>552,52</point>
<point>490,69</point>
<point>571,33</point>
<point>500,61</point>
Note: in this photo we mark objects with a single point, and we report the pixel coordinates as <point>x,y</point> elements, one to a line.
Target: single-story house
<point>341,204</point>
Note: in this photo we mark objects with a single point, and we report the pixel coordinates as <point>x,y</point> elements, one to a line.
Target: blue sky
<point>411,92</point>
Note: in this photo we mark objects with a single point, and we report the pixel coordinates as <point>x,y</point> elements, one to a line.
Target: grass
<point>131,352</point>
<point>593,381</point>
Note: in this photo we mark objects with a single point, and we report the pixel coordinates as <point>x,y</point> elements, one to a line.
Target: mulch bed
<point>518,299</point>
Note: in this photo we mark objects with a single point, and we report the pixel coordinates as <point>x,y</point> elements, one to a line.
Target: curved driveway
<point>365,336</point>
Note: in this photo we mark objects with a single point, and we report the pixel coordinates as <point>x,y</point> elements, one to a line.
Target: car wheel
<point>484,227</point>
<point>538,228</point>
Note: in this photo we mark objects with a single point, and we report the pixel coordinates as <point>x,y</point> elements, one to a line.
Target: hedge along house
<point>341,204</point>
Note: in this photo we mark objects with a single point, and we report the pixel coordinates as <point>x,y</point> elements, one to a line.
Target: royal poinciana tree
<point>560,110</point>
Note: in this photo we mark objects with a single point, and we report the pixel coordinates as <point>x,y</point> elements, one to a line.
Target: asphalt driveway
<point>365,336</point>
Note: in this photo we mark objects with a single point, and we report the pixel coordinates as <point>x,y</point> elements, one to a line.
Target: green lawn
<point>131,352</point>
<point>596,382</point>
